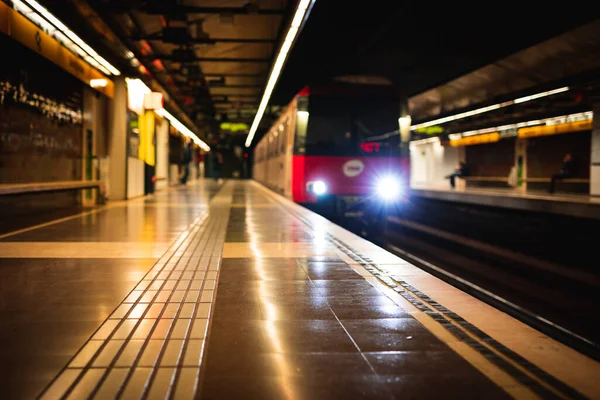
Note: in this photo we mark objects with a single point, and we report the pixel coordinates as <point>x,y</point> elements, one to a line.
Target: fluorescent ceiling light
<point>96,83</point>
<point>292,32</point>
<point>49,23</point>
<point>546,121</point>
<point>182,128</point>
<point>488,108</point>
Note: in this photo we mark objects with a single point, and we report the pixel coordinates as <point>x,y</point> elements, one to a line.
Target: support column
<point>117,143</point>
<point>461,184</point>
<point>521,164</point>
<point>595,157</point>
<point>404,125</point>
<point>89,171</point>
<point>162,154</point>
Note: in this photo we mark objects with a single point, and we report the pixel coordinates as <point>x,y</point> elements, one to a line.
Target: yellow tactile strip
<point>152,344</point>
<point>82,249</point>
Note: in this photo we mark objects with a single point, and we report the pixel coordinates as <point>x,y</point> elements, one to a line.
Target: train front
<point>348,160</point>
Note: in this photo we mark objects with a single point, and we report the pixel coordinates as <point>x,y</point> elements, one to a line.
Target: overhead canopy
<point>542,66</point>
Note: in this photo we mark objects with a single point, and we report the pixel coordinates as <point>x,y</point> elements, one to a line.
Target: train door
<point>282,140</point>
<point>263,162</point>
<point>266,160</point>
<point>287,157</point>
<point>275,162</point>
<point>270,156</point>
<point>256,163</point>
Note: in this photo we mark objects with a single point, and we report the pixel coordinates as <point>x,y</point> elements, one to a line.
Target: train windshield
<point>347,126</point>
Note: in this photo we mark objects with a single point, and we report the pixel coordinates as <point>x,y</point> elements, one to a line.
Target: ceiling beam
<point>178,58</point>
<point>233,86</point>
<point>202,40</point>
<point>242,103</point>
<point>167,8</point>
<point>154,7</point>
<point>233,75</point>
<point>237,96</point>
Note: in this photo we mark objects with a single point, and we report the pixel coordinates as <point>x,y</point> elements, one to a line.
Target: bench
<point>44,187</point>
<point>547,180</point>
<point>504,179</point>
<point>462,182</point>
<point>485,178</point>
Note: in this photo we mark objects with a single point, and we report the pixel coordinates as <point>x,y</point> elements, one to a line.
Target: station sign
<point>370,147</point>
<point>30,35</point>
<point>476,139</point>
<point>430,130</point>
<point>555,129</point>
<point>234,126</point>
<point>136,92</point>
<point>154,101</point>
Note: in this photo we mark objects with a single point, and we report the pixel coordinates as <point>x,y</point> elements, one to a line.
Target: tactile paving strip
<point>151,346</point>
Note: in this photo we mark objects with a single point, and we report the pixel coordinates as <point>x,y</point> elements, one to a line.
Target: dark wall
<point>545,154</point>
<point>491,159</point>
<point>234,163</point>
<point>40,118</point>
<point>41,132</point>
<point>175,149</point>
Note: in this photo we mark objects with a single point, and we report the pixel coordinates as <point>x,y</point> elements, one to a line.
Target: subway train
<point>336,149</point>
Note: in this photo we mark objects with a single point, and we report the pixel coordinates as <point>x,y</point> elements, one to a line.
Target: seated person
<point>565,172</point>
<point>461,172</point>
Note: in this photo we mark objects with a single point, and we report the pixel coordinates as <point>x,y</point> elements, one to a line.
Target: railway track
<point>478,257</point>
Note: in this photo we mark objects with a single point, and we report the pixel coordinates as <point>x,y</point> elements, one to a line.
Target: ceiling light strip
<point>482,110</point>
<point>45,20</point>
<point>587,115</point>
<point>182,128</point>
<point>292,33</point>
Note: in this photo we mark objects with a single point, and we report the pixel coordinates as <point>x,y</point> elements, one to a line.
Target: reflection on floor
<point>231,292</point>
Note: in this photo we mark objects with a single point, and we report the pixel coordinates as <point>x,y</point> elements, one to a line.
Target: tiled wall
<point>40,120</point>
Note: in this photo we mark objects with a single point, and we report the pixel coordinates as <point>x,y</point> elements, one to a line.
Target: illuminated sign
<point>233,126</point>
<point>353,168</point>
<point>370,147</point>
<point>476,139</point>
<point>154,101</point>
<point>430,130</point>
<point>555,129</point>
<point>136,92</point>
<point>98,83</point>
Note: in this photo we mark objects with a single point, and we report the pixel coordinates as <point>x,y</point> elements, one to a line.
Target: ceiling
<point>418,45</point>
<point>214,56</point>
<point>572,58</point>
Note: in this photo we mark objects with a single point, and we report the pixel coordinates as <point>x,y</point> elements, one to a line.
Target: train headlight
<point>319,188</point>
<point>389,188</point>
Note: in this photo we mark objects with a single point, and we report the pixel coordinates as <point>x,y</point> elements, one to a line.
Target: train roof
<point>351,89</point>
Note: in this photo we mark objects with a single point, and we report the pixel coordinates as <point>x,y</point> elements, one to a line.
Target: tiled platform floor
<point>233,292</point>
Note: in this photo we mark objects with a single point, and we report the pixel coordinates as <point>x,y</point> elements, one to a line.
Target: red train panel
<point>344,176</point>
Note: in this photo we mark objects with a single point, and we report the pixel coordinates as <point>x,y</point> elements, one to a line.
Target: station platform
<point>232,291</point>
<point>573,205</point>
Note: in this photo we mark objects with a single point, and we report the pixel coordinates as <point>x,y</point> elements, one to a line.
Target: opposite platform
<point>573,205</point>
